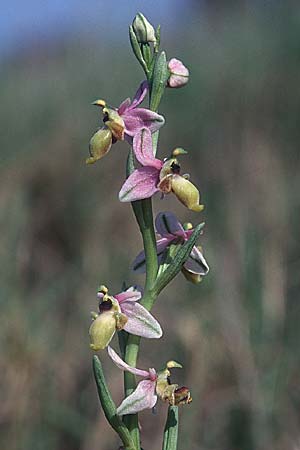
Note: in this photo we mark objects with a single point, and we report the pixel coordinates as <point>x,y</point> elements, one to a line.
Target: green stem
<point>149,242</point>
<point>144,216</point>
<point>171,429</point>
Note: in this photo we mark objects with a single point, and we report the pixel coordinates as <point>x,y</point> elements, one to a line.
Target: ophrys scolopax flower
<point>118,312</point>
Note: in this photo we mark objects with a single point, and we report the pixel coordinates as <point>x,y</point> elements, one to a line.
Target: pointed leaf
<point>160,77</point>
<point>109,407</point>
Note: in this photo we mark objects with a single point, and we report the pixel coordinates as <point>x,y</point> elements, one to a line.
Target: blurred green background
<point>63,230</point>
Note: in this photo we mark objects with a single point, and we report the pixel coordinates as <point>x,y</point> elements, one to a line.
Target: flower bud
<point>99,145</point>
<point>179,74</point>
<point>144,31</point>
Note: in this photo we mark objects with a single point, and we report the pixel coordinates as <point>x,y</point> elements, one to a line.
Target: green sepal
<point>157,35</point>
<point>177,261</point>
<point>137,50</point>
<point>159,80</point>
<point>147,55</point>
<point>171,429</point>
<point>109,407</point>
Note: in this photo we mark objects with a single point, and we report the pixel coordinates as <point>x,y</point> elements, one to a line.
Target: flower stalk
<point>144,216</point>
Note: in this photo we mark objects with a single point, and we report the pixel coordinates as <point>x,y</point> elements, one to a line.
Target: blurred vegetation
<point>63,232</point>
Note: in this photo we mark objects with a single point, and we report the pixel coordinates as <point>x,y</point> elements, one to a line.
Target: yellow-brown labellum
<point>100,145</point>
<point>186,193</point>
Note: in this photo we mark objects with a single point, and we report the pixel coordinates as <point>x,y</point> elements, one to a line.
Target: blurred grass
<point>63,232</point>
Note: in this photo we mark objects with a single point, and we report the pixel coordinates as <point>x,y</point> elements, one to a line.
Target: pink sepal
<point>142,398</point>
<point>140,184</point>
<point>140,321</point>
<point>128,296</point>
<point>137,118</point>
<point>143,150</point>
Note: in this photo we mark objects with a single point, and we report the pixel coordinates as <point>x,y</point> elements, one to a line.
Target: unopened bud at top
<point>143,29</point>
<point>179,74</point>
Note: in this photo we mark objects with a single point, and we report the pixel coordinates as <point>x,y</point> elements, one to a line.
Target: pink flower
<point>157,175</point>
<point>137,118</point>
<point>123,123</point>
<point>154,384</point>
<point>172,232</point>
<point>179,74</point>
<point>118,312</point>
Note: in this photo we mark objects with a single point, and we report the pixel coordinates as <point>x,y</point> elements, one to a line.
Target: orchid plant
<point>169,247</point>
